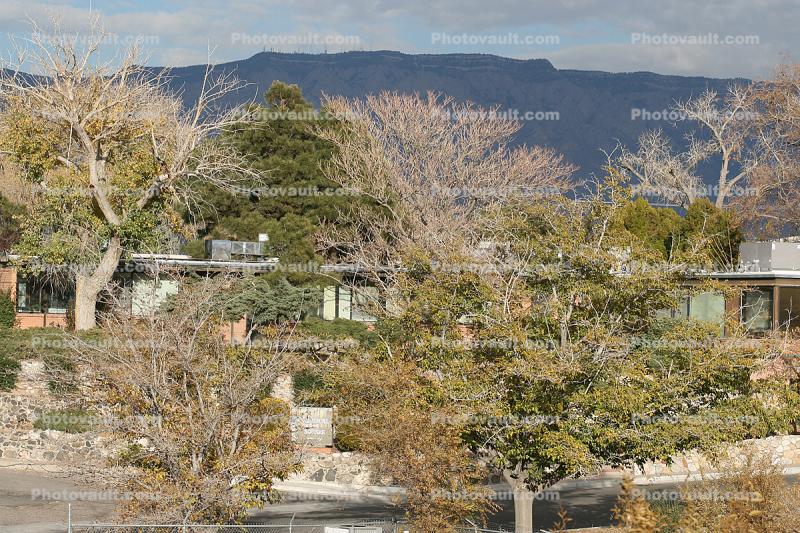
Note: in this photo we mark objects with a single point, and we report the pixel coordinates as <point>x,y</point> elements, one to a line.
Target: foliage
<point>61,373</point>
<point>632,513</point>
<point>34,342</point>
<point>9,225</point>
<point>652,225</point>
<point>111,153</point>
<point>307,380</point>
<point>703,226</point>
<point>296,197</point>
<point>215,440</point>
<point>383,410</point>
<point>721,231</point>
<point>537,360</point>
<point>9,369</point>
<point>68,420</point>
<point>270,300</point>
<point>338,328</point>
<point>8,311</point>
<point>752,495</point>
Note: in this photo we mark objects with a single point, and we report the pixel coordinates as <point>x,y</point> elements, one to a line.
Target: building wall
<point>148,294</point>
<point>235,332</point>
<point>8,282</point>
<point>41,320</point>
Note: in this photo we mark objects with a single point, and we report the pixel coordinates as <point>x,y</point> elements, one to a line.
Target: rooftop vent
<point>220,250</point>
<point>769,256</point>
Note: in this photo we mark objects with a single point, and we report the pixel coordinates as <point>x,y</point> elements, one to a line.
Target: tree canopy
<point>295,197</point>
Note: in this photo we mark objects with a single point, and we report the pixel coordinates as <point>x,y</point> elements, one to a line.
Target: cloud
<point>756,62</point>
<point>594,34</point>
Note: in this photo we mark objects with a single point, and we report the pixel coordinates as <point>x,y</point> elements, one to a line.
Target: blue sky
<point>667,36</point>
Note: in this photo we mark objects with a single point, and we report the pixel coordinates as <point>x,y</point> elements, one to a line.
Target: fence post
<point>69,518</point>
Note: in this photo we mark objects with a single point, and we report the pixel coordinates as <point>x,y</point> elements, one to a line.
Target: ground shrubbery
<point>749,497</point>
<point>68,420</point>
<point>8,314</point>
<point>49,344</point>
<point>9,368</point>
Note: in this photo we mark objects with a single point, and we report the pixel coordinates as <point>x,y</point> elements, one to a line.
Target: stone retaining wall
<point>345,468</point>
<point>51,446</point>
<point>783,450</point>
<point>20,408</point>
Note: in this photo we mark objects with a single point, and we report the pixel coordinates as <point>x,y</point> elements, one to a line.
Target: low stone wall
<point>20,408</point>
<point>345,468</point>
<point>783,450</point>
<point>51,446</point>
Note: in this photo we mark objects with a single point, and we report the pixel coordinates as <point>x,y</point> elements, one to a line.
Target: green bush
<point>338,328</point>
<point>8,313</point>
<point>9,369</point>
<point>305,382</point>
<point>68,420</point>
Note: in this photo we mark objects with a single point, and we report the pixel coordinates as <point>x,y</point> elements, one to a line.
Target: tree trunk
<point>523,501</point>
<point>88,288</point>
<point>523,510</point>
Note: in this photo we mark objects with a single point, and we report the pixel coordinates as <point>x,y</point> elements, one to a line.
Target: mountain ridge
<point>595,108</point>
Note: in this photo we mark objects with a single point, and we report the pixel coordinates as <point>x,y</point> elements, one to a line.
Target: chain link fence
<point>365,526</point>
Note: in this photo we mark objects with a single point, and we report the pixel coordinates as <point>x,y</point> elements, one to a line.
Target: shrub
<point>306,382</point>
<point>338,328</point>
<point>749,496</point>
<point>8,314</point>
<point>9,369</point>
<point>67,420</point>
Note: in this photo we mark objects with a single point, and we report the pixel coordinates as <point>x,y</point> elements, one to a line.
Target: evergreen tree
<point>662,229</point>
<point>296,197</point>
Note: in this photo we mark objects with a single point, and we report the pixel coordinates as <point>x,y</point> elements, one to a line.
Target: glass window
<point>37,296</point>
<point>682,311</point>
<point>344,307</point>
<point>757,309</point>
<point>708,306</point>
<point>363,299</point>
<point>789,306</point>
<point>28,297</point>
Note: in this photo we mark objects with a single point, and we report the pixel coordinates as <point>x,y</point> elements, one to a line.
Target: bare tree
<point>727,123</point>
<point>426,168</point>
<point>93,114</point>
<point>661,172</point>
<point>202,430</point>
<point>775,208</point>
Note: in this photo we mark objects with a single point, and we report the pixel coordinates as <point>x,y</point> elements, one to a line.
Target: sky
<point>719,38</point>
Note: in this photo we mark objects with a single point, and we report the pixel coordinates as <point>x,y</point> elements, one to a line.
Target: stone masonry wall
<point>346,468</point>
<point>783,450</point>
<point>20,408</point>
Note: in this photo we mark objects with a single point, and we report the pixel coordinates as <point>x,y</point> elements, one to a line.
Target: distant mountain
<point>594,108</point>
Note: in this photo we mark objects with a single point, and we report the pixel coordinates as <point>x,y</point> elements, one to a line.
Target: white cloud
<point>595,34</point>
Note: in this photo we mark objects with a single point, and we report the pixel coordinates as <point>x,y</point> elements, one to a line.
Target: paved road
<point>585,506</point>
<point>32,503</point>
<point>25,509</point>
